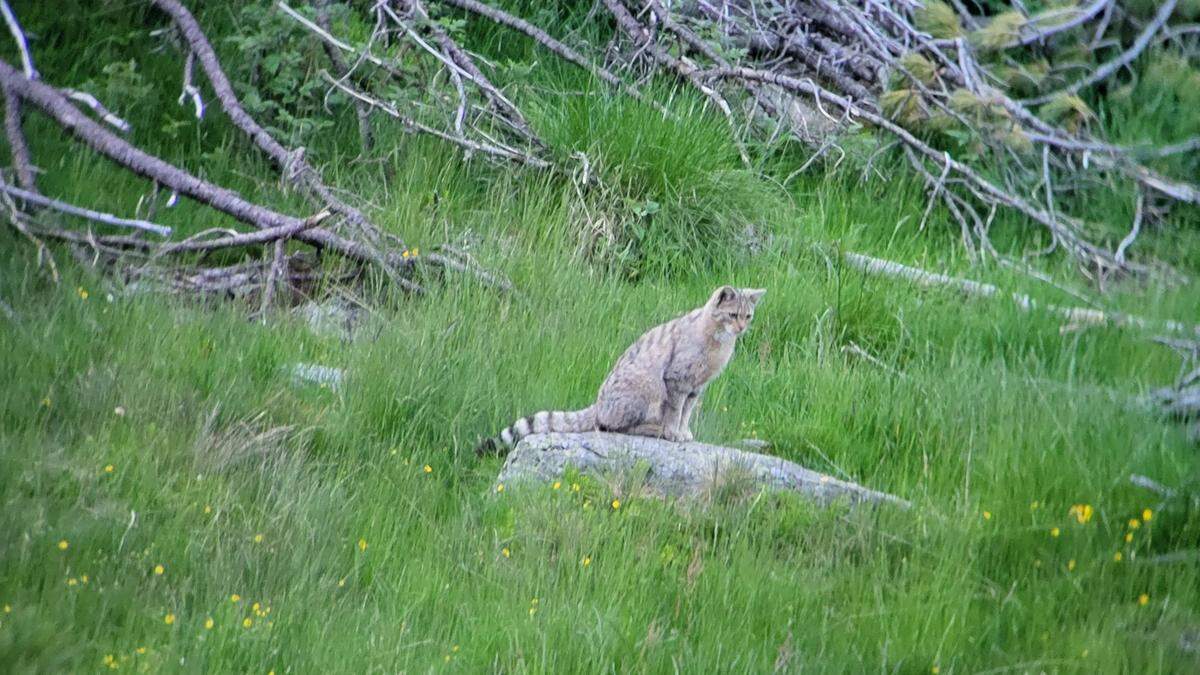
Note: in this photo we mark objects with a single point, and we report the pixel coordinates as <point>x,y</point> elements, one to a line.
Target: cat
<point>655,385</point>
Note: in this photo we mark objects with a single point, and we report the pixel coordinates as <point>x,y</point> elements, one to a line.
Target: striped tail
<point>543,422</point>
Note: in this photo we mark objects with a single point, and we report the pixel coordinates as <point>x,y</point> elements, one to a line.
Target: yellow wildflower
<point>1054,531</point>
<point>500,487</point>
<point>1082,512</point>
<point>110,661</point>
<point>574,487</point>
<point>1033,506</point>
<point>587,560</point>
<point>532,611</point>
<point>341,582</point>
<point>616,504</point>
<point>235,598</point>
<point>1134,523</point>
<point>207,509</point>
<point>8,609</point>
<point>1128,537</point>
<point>1147,514</point>
<point>1071,565</point>
<point>404,254</point>
<point>169,619</point>
<point>987,515</point>
<point>362,544</point>
<point>72,581</point>
<point>108,468</point>
<point>935,670</point>
<point>140,650</point>
<point>209,623</point>
<point>505,552</point>
<point>83,294</point>
<point>454,649</point>
<point>557,484</point>
<point>63,544</point>
<point>1117,556</point>
<point>258,538</point>
<point>247,622</point>
<point>158,570</point>
<point>1143,599</point>
<point>416,252</point>
<point>46,402</point>
<point>428,469</point>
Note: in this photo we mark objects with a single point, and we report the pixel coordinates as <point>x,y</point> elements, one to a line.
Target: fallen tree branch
<point>281,233</point>
<point>18,34</point>
<point>22,164</point>
<point>1124,58</point>
<point>51,102</point>
<point>1081,17</point>
<point>291,163</point>
<point>343,70</point>
<point>1065,231</point>
<point>97,216</point>
<point>458,58</point>
<point>413,125</point>
<point>1078,315</point>
<point>97,107</point>
<point>556,47</point>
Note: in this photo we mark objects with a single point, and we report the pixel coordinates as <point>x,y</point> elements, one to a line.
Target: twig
<point>1124,58</point>
<point>332,41</point>
<point>545,40</point>
<point>641,35</point>
<point>18,34</point>
<point>1133,231</point>
<point>1081,17</point>
<point>190,90</point>
<point>343,70</point>
<point>412,124</point>
<point>97,107</point>
<point>63,207</point>
<point>281,233</point>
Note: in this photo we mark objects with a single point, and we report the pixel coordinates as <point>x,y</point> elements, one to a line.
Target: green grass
<point>991,421</point>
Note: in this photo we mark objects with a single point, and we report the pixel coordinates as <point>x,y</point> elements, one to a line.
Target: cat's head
<point>733,308</point>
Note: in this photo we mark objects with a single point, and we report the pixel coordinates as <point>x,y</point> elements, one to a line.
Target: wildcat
<point>655,385</point>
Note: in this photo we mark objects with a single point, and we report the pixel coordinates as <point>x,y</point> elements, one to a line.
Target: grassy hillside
<point>171,500</point>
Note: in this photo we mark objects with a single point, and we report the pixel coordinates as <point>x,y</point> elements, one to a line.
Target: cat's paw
<point>684,436</point>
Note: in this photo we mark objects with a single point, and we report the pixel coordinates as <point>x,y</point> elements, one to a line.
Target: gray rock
<point>672,469</point>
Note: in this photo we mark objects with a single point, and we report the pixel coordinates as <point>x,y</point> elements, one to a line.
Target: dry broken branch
<point>1076,315</point>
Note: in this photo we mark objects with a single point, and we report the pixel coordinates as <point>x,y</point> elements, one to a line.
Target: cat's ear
<point>754,294</point>
<point>722,295</point>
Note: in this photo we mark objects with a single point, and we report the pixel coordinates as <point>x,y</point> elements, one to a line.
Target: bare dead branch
<point>190,90</point>
<point>343,71</point>
<point>1105,70</point>
<point>18,34</point>
<point>413,125</point>
<point>282,233</point>
<point>51,102</point>
<point>22,163</point>
<point>1076,315</point>
<point>97,107</point>
<point>553,45</point>
<point>291,163</point>
<point>1080,17</point>
<point>97,216</point>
